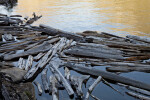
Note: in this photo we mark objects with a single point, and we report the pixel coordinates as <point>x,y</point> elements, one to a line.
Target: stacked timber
<point>43,49</point>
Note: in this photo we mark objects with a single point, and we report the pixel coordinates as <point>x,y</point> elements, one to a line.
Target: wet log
<point>77,83</point>
<point>21,63</point>
<point>138,90</point>
<point>138,96</point>
<point>29,62</point>
<point>91,88</point>
<point>128,69</point>
<point>38,87</point>
<point>63,80</point>
<point>109,76</point>
<point>42,48</point>
<point>54,89</point>
<point>93,54</point>
<point>44,80</point>
<point>15,16</point>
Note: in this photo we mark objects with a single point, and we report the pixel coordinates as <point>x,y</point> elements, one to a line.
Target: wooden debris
<point>38,87</point>
<point>138,90</point>
<point>110,76</point>
<point>29,62</point>
<point>44,80</point>
<point>63,80</point>
<point>8,37</point>
<point>67,73</point>
<point>143,39</point>
<point>128,69</point>
<point>138,96</point>
<point>91,88</point>
<point>77,83</point>
<point>54,89</point>
<point>39,56</point>
<point>21,63</point>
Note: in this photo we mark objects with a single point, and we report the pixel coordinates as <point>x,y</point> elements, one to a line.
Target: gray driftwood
<point>62,80</point>
<point>44,79</point>
<point>91,88</point>
<point>138,96</point>
<point>29,62</point>
<point>110,76</point>
<point>53,88</point>
<point>38,87</point>
<point>77,83</point>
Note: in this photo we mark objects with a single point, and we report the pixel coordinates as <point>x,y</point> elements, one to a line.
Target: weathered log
<point>38,87</point>
<point>110,76</point>
<point>126,64</point>
<point>138,90</point>
<point>44,80</point>
<point>42,63</point>
<point>34,51</point>
<point>39,56</point>
<point>63,80</point>
<point>141,97</point>
<point>91,88</point>
<point>52,31</point>
<point>15,16</point>
<point>54,89</point>
<point>21,63</point>
<point>8,37</point>
<point>139,38</point>
<point>77,83</point>
<point>144,57</point>
<point>128,69</point>
<point>89,53</point>
<point>29,62</point>
<point>67,73</point>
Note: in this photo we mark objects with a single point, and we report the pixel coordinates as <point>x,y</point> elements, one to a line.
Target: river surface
<point>120,17</point>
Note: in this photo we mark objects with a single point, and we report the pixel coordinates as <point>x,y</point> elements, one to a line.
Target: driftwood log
<point>110,76</point>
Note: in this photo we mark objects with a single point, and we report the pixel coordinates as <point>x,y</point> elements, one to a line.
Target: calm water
<point>119,17</point>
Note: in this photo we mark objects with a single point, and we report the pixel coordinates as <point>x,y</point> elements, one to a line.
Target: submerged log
<point>44,80</point>
<point>141,97</point>
<point>62,80</point>
<point>109,76</point>
<point>54,89</point>
<point>38,87</point>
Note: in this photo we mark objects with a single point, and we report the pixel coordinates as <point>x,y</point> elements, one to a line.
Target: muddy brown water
<point>120,17</point>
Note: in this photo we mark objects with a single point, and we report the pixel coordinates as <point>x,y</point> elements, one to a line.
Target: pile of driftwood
<point>51,48</point>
